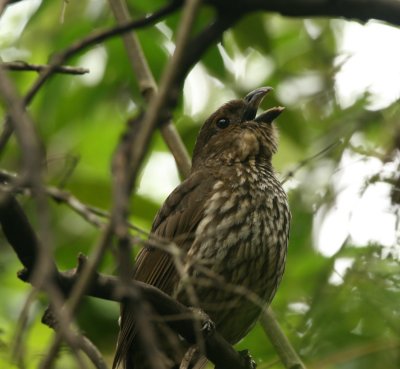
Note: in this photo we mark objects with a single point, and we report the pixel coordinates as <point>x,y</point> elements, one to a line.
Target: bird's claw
<point>247,359</point>
<point>207,325</point>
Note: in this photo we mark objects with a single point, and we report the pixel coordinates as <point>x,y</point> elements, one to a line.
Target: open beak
<point>253,100</point>
<point>269,115</point>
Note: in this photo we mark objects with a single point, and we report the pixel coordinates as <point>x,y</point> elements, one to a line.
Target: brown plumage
<point>231,220</point>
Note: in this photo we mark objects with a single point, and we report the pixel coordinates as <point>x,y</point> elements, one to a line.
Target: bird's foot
<point>247,359</point>
<point>207,325</point>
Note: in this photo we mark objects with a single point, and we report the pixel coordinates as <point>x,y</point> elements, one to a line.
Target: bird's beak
<point>253,100</point>
<point>269,115</point>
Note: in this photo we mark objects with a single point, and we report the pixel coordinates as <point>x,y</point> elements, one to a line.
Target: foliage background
<point>347,322</point>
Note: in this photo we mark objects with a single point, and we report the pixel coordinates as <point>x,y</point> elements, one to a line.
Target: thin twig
<point>18,349</point>
<point>79,46</point>
<point>24,66</point>
<point>158,102</point>
<point>92,352</point>
<point>94,39</point>
<point>64,331</point>
<point>134,51</point>
<point>89,213</point>
<point>306,161</point>
<point>108,287</point>
<point>32,159</point>
<point>155,111</point>
<point>146,334</point>
<point>92,214</point>
<point>78,291</point>
<point>148,88</point>
<point>25,131</point>
<point>85,345</point>
<point>277,337</point>
<point>118,221</point>
<point>177,316</point>
<point>142,70</point>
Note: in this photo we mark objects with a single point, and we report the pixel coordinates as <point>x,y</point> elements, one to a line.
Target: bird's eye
<point>222,123</point>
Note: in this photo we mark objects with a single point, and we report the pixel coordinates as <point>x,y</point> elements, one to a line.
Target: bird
<point>230,220</point>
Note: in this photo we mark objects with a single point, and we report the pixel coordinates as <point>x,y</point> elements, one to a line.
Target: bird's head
<point>234,133</point>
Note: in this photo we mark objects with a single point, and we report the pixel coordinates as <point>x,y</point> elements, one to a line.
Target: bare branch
<point>18,349</point>
<point>26,134</point>
<point>79,290</point>
<point>148,88</point>
<point>91,214</point>
<point>86,345</point>
<point>79,46</point>
<point>155,112</point>
<point>362,10</point>
<point>40,253</point>
<point>92,352</point>
<point>176,315</point>
<point>306,161</point>
<point>24,66</point>
<point>106,287</point>
<point>21,236</point>
<point>283,347</point>
<point>94,39</point>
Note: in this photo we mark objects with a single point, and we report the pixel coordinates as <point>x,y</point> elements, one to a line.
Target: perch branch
<point>218,350</point>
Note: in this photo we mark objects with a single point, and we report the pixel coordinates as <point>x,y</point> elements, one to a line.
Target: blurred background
<point>339,156</point>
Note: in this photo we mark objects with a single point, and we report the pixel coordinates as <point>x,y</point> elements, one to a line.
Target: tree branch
<point>181,318</point>
<point>94,39</point>
<point>24,66</point>
<point>362,10</point>
<point>77,47</point>
<point>177,316</point>
<point>148,88</point>
<point>168,89</point>
<point>277,337</point>
<point>32,159</point>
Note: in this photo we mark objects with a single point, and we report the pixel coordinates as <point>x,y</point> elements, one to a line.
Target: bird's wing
<point>176,221</point>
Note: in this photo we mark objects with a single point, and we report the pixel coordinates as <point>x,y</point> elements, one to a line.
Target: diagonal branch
<point>80,45</point>
<point>168,89</point>
<point>32,168</point>
<point>99,250</point>
<point>148,88</point>
<point>146,80</point>
<point>27,67</point>
<point>181,318</point>
<point>277,337</point>
<point>96,38</point>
